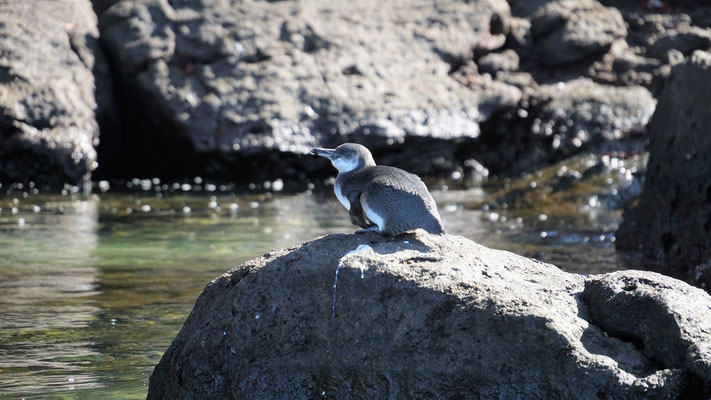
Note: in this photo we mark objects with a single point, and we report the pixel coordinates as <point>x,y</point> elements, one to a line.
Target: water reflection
<point>46,278</point>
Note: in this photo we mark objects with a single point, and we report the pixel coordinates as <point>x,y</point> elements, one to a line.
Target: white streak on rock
<point>361,248</point>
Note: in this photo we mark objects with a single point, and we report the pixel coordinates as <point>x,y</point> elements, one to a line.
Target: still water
<point>93,288</point>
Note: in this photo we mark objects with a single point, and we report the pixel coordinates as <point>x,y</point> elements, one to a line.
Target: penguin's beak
<point>328,153</point>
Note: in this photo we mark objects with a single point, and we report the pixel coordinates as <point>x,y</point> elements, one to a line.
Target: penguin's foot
<point>373,228</point>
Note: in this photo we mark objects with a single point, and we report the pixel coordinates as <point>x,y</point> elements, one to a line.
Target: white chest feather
<point>373,216</point>
<point>342,198</point>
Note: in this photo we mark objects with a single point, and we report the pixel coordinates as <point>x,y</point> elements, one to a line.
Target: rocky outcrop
<point>564,32</point>
<point>672,220</point>
<point>561,120</point>
<point>581,68</point>
<point>626,43</point>
<point>48,128</point>
<point>230,81</point>
<point>241,91</point>
<point>671,323</point>
<point>423,316</point>
<point>224,89</point>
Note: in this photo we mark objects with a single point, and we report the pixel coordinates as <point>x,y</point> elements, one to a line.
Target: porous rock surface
<point>672,221</point>
<point>230,80</point>
<point>621,43</point>
<point>567,31</point>
<point>424,316</point>
<point>672,320</point>
<point>240,90</point>
<point>561,120</point>
<point>48,128</point>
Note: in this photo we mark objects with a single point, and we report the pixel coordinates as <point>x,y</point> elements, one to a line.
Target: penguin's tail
<point>437,229</point>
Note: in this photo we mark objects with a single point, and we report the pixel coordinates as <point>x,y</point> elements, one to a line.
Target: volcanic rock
<point>439,317</point>
<point>672,221</point>
<point>224,87</point>
<point>47,121</point>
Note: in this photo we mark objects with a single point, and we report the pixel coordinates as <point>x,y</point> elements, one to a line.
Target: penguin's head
<point>347,157</point>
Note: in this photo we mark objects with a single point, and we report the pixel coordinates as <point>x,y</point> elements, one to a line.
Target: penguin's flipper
<point>356,212</point>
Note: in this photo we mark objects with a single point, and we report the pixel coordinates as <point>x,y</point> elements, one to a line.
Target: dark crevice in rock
<point>456,62</point>
<point>37,123</point>
<point>506,146</point>
<point>129,145</point>
<point>6,76</point>
<point>635,341</point>
<point>422,259</point>
<point>139,152</point>
<point>17,156</point>
<point>497,24</point>
<point>671,141</point>
<point>666,320</point>
<point>651,365</point>
<point>694,389</point>
<point>352,70</point>
<point>257,57</point>
<point>76,50</point>
<point>100,6</point>
<point>7,128</point>
<point>667,242</point>
<point>707,225</point>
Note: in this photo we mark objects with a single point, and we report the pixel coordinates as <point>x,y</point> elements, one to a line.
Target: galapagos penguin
<point>386,199</point>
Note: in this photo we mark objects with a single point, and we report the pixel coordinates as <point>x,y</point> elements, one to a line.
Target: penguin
<point>381,198</point>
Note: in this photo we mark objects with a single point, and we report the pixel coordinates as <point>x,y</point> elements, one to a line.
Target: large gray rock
<point>684,40</point>
<point>220,82</point>
<point>425,316</point>
<point>621,44</point>
<point>672,221</point>
<point>240,91</point>
<point>47,122</point>
<point>578,112</point>
<point>672,320</point>
<point>567,31</point>
<point>560,120</point>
